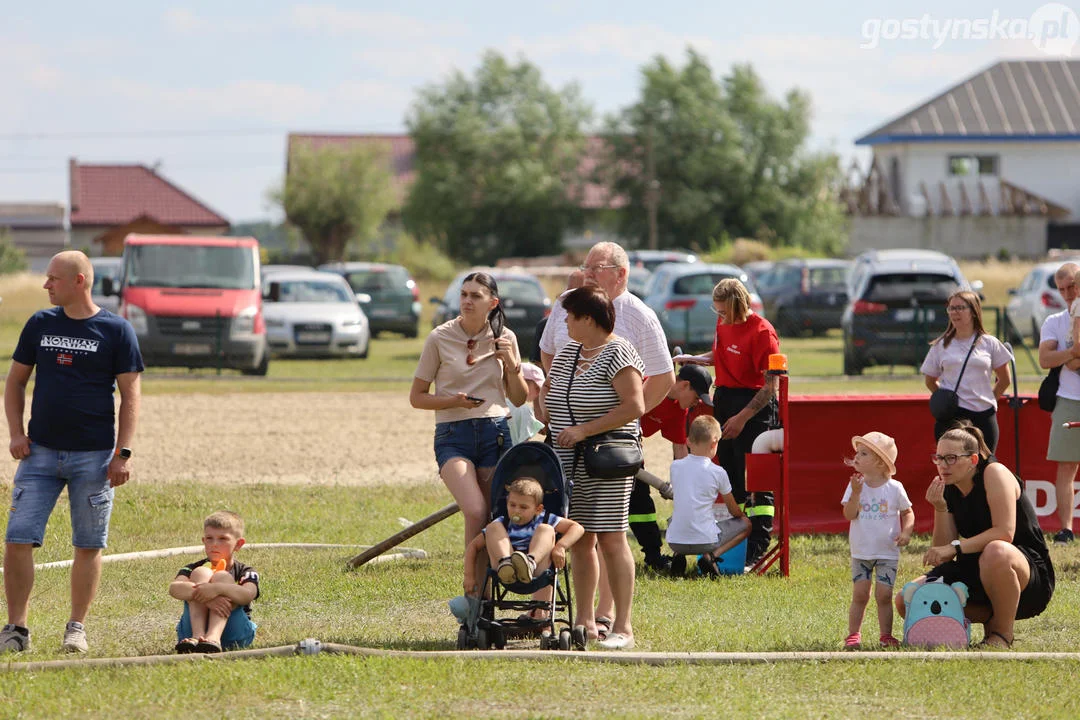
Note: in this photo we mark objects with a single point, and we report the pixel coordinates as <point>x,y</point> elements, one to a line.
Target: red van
<point>195,301</point>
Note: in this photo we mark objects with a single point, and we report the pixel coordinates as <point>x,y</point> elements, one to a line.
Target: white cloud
<point>625,42</point>
<point>332,20</point>
<point>183,20</point>
<point>424,62</point>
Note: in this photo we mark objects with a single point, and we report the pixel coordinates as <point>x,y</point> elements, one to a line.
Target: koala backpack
<point>935,615</point>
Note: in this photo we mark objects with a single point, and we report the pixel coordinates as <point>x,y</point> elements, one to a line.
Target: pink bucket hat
<point>532,372</point>
<point>881,445</point>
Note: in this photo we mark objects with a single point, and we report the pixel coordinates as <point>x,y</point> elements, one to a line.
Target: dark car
<point>896,306</point>
<point>523,299</point>
<point>806,294</point>
<point>387,294</point>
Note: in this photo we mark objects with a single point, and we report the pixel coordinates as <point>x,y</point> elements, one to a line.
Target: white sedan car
<point>1036,299</point>
<point>313,314</point>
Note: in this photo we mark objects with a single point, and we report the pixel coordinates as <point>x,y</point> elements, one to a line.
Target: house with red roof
<point>401,154</point>
<point>110,201</point>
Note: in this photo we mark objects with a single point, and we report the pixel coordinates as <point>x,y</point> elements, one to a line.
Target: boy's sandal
<point>506,572</point>
<point>187,645</point>
<point>985,642</point>
<point>603,627</point>
<point>208,646</point>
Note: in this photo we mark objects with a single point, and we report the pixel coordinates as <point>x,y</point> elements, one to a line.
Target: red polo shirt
<point>741,352</point>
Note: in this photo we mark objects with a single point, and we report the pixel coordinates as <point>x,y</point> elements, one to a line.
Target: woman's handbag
<point>609,455</point>
<point>1048,389</point>
<point>944,403</point>
<point>615,454</point>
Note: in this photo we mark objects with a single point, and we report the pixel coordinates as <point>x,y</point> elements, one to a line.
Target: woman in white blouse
<point>986,377</point>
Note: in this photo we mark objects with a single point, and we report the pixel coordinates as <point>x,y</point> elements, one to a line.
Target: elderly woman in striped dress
<point>595,386</point>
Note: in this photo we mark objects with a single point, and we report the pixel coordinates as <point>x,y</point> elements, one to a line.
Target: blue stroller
<point>483,627</point>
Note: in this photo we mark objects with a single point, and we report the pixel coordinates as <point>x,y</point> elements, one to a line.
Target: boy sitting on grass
<point>697,482</point>
<point>217,591</point>
<point>523,542</point>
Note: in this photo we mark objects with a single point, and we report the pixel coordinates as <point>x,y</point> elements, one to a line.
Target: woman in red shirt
<point>743,394</point>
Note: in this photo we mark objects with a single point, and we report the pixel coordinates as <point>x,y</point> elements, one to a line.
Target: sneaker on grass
<point>74,638</point>
<point>14,639</point>
<point>1064,537</point>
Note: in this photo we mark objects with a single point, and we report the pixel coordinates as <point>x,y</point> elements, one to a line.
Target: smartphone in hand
<point>474,399</point>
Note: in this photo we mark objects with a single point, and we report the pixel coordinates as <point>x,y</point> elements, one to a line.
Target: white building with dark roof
<point>990,164</point>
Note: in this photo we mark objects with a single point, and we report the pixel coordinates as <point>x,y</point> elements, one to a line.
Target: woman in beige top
<point>475,365</point>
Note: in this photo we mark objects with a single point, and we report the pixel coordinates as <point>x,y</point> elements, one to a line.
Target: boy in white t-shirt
<point>881,523</point>
<point>697,483</point>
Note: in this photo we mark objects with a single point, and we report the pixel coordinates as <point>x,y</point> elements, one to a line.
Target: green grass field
<point>402,605</point>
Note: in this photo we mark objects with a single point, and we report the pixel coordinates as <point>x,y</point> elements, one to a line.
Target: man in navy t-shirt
<point>82,353</point>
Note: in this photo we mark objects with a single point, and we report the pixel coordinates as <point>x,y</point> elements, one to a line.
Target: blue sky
<point>210,89</point>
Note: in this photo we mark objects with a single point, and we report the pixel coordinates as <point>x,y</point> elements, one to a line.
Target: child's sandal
<point>208,646</point>
<point>506,571</point>
<point>187,645</point>
<point>853,641</point>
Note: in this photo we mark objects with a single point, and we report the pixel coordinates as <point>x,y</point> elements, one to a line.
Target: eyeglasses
<point>957,308</point>
<point>470,345</point>
<point>946,460</point>
<point>596,268</point>
<point>721,311</point>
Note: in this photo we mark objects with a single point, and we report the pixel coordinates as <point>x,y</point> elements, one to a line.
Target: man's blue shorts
<point>481,441</point>
<point>239,629</point>
<point>38,482</point>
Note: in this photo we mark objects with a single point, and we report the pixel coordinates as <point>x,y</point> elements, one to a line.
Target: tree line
<point>504,164</point>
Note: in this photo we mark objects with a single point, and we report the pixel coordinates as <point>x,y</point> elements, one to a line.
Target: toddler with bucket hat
<point>881,523</point>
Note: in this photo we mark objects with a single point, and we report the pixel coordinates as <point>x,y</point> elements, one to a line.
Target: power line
<point>159,134</point>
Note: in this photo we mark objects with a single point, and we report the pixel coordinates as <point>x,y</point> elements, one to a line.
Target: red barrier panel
<point>822,427</point>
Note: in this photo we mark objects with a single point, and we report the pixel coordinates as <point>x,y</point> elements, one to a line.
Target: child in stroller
<point>525,549</point>
<point>529,531</point>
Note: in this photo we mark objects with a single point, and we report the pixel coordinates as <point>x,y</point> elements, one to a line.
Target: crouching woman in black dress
<point>986,535</point>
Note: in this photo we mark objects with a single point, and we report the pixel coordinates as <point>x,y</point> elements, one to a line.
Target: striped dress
<point>600,505</point>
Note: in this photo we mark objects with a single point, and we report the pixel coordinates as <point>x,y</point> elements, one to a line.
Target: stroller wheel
<point>462,638</point>
<point>482,640</point>
<point>565,639</point>
<point>579,637</point>
<point>498,638</point>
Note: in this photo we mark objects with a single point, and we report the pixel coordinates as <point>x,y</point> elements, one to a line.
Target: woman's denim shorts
<point>481,441</point>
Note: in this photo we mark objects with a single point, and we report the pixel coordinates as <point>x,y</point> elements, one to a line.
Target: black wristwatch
<point>956,547</point>
<point>123,453</point>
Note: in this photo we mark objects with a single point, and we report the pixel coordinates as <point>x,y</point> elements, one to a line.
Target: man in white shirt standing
<point>607,266</point>
<point>1056,346</point>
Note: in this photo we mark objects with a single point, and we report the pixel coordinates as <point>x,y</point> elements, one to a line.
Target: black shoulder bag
<point>1048,389</point>
<point>944,403</point>
<point>609,455</point>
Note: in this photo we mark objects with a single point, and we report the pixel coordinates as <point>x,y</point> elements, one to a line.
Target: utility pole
<point>652,191</point>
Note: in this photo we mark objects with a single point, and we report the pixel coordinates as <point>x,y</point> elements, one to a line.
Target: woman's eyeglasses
<point>470,345</point>
<point>957,308</point>
<point>946,460</point>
